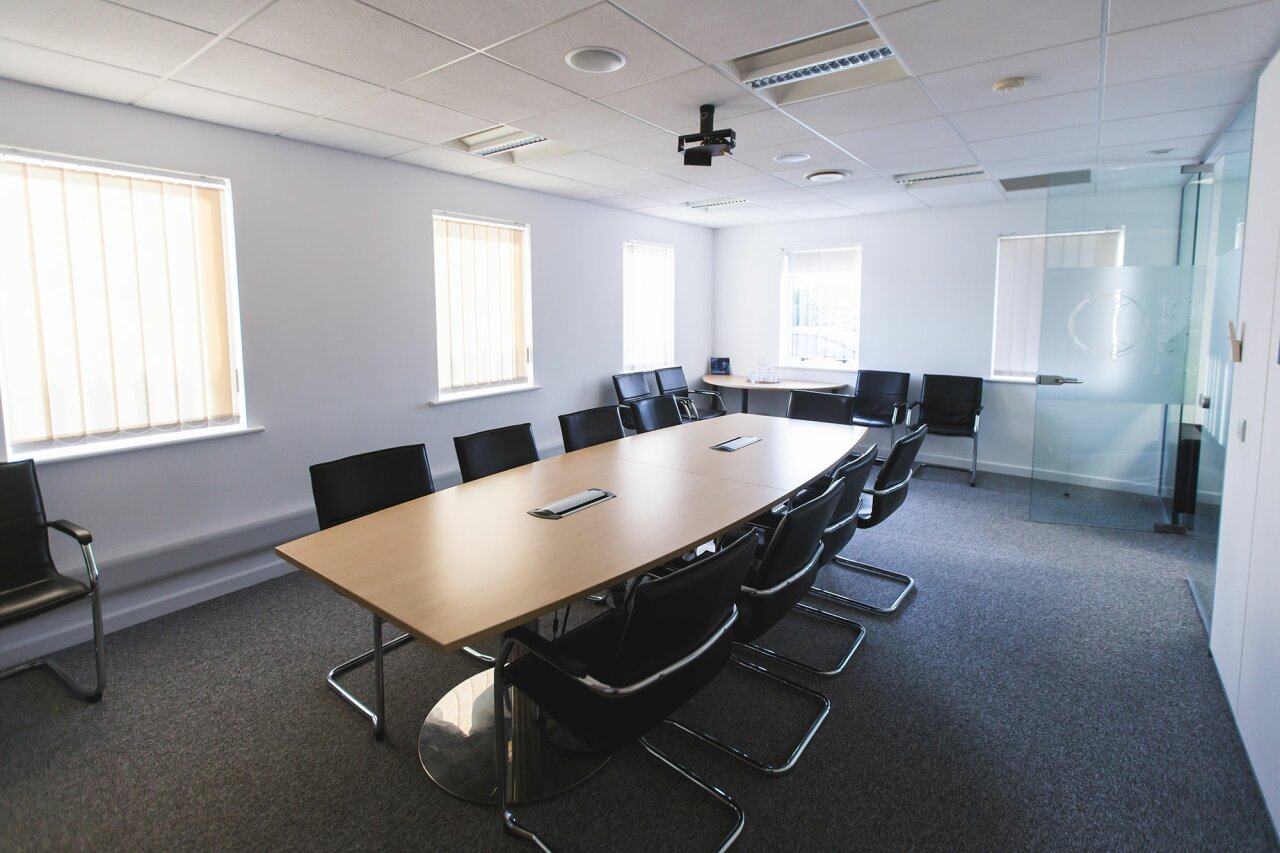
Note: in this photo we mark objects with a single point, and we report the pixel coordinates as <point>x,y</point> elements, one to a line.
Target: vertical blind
<point>114,312</point>
<point>481,303</point>
<point>821,292</point>
<point>1020,265</point>
<point>648,306</point>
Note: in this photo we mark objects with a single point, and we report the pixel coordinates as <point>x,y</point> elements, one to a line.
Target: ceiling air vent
<point>1039,182</point>
<point>727,201</point>
<point>838,61</point>
<point>941,177</point>
<point>506,144</point>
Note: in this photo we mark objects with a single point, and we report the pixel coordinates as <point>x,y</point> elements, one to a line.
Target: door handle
<point>1050,379</point>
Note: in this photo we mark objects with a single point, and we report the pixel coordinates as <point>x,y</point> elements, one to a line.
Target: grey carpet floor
<point>1047,688</point>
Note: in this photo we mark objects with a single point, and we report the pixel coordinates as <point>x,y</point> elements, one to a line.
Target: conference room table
<point>745,385</point>
<point>467,563</point>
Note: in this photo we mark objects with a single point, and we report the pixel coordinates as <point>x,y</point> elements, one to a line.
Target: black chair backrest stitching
<point>494,450</point>
<point>820,406</point>
<point>650,413</point>
<point>24,537</point>
<point>896,470</point>
<point>590,427</point>
<point>367,482</point>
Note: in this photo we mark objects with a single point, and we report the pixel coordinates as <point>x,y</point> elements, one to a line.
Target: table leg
<point>744,401</point>
<point>456,746</point>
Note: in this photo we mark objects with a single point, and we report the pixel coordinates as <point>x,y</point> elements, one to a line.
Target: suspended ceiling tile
<point>1028,116</point>
<point>350,38</point>
<point>820,154</point>
<point>260,75</point>
<point>484,86</point>
<point>448,160</point>
<point>201,14</point>
<point>681,213</point>
<point>725,166</point>
<point>765,128</point>
<point>748,184</point>
<point>908,136</point>
<point>480,23</point>
<point>1246,34</point>
<point>1132,14</point>
<point>954,33</point>
<point>820,209</point>
<point>82,76</point>
<point>775,198</point>
<point>928,159</point>
<point>1206,121</point>
<point>1040,165</point>
<point>335,134</point>
<point>586,125</point>
<point>717,30</point>
<point>628,202</point>
<point>101,32</point>
<point>885,7</point>
<point>410,118</point>
<point>673,102</point>
<point>1182,150</point>
<point>542,52</point>
<point>638,181</point>
<point>956,194</point>
<point>194,102</point>
<point>1229,85</point>
<point>750,214</point>
<point>1031,144</point>
<point>796,175</point>
<point>1054,71</point>
<point>682,193</point>
<point>655,149</point>
<point>863,109</point>
<point>579,165</point>
<point>844,191</point>
<point>894,202</point>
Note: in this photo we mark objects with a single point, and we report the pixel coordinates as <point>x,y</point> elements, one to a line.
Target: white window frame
<point>629,365</point>
<point>785,329</point>
<point>109,445</point>
<point>444,395</point>
<point>995,302</point>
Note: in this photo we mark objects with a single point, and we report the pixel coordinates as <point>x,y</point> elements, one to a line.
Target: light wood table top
<point>742,382</point>
<point>469,562</point>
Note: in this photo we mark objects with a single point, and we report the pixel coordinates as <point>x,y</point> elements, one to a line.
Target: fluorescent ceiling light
<point>817,69</point>
<point>496,140</point>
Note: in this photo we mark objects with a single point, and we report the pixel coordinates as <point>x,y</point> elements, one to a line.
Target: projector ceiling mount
<point>700,147</point>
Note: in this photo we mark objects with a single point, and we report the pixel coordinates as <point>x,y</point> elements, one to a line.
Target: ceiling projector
<point>700,147</point>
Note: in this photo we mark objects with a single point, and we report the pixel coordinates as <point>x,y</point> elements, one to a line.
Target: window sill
<point>498,391</point>
<point>1013,380</point>
<point>841,368</point>
<point>128,445</point>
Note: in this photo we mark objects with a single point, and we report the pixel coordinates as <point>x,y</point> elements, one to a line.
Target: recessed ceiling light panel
<point>595,60</point>
<point>791,157</point>
<point>827,176</point>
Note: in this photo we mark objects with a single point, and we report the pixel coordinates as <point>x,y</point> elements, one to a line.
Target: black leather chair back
<point>844,519</point>
<point>671,381</point>
<point>24,537</point>
<point>820,406</point>
<point>631,386</point>
<point>493,450</point>
<point>796,543</point>
<point>669,617</point>
<point>590,426</point>
<point>367,482</point>
<point>877,392</point>
<point>948,404</point>
<point>894,475</point>
<point>650,413</point>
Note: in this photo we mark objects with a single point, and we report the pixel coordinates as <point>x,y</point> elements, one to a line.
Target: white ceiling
<point>1108,81</point>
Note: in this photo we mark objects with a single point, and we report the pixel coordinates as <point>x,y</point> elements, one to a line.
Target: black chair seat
<point>868,421</point>
<point>710,413</point>
<point>605,724</point>
<point>37,597</point>
<point>937,427</point>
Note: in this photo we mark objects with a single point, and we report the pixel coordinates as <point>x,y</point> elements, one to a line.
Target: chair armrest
<point>899,412</point>
<point>688,410</point>
<point>548,651</point>
<point>75,531</point>
<point>914,404</point>
<point>718,406</point>
<point>977,411</point>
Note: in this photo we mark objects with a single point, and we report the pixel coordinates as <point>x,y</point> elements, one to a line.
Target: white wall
<point>1246,633</point>
<point>335,268</point>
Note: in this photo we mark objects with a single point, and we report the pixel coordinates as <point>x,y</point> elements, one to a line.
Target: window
<point>648,306</point>
<point>1020,266</point>
<point>119,323</point>
<point>821,297</point>
<point>482,305</point>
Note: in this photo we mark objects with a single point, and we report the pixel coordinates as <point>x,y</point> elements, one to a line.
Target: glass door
<point>1112,350</point>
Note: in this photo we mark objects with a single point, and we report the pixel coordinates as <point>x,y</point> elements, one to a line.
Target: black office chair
<point>30,584</point>
<point>612,680</point>
<point>820,406</point>
<point>346,489</point>
<point>590,427</point>
<point>880,399</point>
<point>650,413</point>
<point>782,576</point>
<point>950,405</point>
<point>671,383</point>
<point>494,450</point>
<point>886,495</point>
<point>630,387</point>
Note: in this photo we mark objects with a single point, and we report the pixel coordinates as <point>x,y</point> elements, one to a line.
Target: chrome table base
<point>456,746</point>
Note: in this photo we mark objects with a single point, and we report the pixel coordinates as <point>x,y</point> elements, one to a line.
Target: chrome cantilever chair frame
<point>972,470</point>
<point>868,569</point>
<point>502,764</point>
<point>92,692</point>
